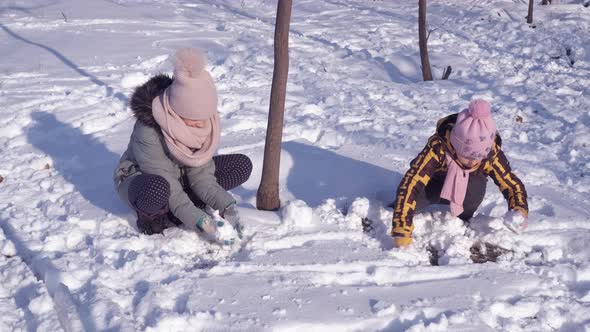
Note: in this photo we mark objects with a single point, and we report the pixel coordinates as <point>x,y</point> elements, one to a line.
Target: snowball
<point>359,207</point>
<point>358,210</point>
<point>225,233</point>
<point>296,214</point>
<point>328,212</point>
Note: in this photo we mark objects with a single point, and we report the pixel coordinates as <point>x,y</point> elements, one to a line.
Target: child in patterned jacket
<point>453,169</point>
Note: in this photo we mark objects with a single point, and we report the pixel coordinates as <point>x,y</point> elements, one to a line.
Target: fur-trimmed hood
<point>141,100</point>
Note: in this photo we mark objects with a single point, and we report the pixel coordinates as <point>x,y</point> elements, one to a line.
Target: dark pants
<point>231,170</point>
<point>476,190</point>
<point>149,194</point>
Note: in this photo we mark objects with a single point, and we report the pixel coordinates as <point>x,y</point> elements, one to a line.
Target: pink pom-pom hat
<point>192,95</point>
<point>474,132</point>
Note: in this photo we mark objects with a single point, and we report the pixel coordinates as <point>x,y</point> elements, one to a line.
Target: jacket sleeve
<point>203,183</point>
<point>498,168</point>
<point>151,157</point>
<point>415,180</point>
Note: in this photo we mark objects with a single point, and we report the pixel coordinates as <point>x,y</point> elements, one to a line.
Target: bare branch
<point>447,73</point>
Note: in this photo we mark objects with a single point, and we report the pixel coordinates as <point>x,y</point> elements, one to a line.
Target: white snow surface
<point>357,112</point>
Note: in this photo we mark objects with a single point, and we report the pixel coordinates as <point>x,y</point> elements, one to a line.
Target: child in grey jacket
<point>168,174</point>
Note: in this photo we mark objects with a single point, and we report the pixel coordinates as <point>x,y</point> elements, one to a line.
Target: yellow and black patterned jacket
<point>432,162</point>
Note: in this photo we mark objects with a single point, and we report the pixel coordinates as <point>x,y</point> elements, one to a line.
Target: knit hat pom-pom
<point>189,60</point>
<point>480,109</point>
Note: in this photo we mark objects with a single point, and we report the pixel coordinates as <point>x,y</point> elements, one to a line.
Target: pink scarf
<point>191,146</point>
<point>455,186</point>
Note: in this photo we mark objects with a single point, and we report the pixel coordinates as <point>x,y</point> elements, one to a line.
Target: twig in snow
<point>482,252</point>
<point>447,73</point>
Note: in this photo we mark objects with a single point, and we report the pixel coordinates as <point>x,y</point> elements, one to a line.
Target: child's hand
<point>516,221</point>
<point>207,227</point>
<point>220,230</point>
<point>401,241</point>
<point>226,234</point>
<point>231,215</point>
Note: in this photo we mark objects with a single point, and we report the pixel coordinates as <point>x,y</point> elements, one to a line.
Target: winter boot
<point>149,196</point>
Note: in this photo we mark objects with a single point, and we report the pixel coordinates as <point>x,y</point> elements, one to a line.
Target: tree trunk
<point>267,197</point>
<point>423,41</point>
<point>529,17</point>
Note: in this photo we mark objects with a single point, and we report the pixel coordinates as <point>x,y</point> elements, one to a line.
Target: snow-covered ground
<point>357,112</point>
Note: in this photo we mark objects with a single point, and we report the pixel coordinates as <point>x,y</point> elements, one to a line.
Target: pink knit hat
<point>474,132</point>
<point>192,94</point>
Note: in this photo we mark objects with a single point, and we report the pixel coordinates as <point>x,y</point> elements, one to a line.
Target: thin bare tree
<point>423,41</point>
<point>267,197</point>
<point>529,17</point>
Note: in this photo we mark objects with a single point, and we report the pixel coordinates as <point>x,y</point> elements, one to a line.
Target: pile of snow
<point>296,215</point>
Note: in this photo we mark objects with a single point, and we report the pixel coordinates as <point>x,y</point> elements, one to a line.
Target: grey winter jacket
<point>147,153</point>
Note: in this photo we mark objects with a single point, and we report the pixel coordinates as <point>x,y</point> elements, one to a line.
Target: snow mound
<point>297,215</point>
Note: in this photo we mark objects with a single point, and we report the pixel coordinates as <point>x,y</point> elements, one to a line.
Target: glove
<point>516,221</point>
<point>215,229</point>
<point>207,228</point>
<point>226,234</point>
<point>231,215</point>
<point>402,241</point>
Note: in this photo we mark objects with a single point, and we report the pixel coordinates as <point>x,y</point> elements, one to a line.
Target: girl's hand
<point>401,241</point>
<point>216,229</point>
<point>516,221</point>
<point>206,226</point>
<point>231,215</point>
